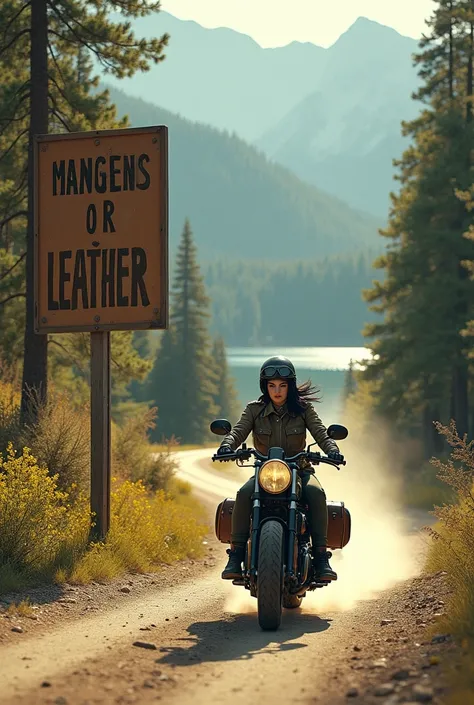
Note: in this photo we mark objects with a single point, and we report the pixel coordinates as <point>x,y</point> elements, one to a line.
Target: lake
<point>324,366</point>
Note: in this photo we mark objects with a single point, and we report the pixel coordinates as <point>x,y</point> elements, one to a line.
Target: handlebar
<point>246,454</point>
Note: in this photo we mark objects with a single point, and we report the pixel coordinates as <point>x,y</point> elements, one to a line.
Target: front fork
<point>292,528</point>
<point>290,548</point>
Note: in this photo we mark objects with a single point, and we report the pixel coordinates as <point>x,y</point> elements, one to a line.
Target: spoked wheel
<point>292,602</point>
<point>270,576</point>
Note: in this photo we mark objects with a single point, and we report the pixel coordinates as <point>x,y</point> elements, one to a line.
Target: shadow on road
<point>44,595</point>
<point>240,638</point>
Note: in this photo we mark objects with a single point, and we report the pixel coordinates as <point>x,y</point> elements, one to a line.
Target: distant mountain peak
<point>364,28</point>
<point>221,31</point>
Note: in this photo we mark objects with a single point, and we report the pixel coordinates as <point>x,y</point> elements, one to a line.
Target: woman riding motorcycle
<point>280,418</point>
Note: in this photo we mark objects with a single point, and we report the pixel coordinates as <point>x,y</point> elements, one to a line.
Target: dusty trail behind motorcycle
<point>380,552</point>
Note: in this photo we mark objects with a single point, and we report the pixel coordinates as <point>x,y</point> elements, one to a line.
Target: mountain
<point>223,78</point>
<point>240,205</point>
<point>331,115</point>
<point>343,136</point>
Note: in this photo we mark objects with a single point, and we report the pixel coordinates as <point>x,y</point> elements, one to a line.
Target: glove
<point>336,456</point>
<point>225,450</point>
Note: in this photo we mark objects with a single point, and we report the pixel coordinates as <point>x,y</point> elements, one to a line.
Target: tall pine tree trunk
<point>35,372</point>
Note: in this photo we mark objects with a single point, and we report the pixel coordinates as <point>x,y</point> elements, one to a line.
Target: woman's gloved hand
<point>224,450</point>
<point>336,456</point>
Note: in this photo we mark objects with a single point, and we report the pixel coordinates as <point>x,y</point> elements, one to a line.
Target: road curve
<point>207,638</point>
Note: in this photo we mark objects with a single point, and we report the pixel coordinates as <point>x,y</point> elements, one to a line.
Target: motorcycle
<point>278,567</point>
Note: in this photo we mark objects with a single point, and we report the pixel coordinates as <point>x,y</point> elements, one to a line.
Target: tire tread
<point>270,559</point>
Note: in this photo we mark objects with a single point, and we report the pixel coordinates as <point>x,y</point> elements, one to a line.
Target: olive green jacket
<point>287,431</point>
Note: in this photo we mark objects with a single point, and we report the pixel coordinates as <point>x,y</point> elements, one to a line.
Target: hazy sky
<point>277,22</point>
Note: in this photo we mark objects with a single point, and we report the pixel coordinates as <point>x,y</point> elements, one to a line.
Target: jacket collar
<point>269,409</point>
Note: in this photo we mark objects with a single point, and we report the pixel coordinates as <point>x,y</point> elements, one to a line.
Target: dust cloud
<point>384,545</point>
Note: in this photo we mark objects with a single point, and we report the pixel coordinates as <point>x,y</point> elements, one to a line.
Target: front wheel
<point>270,575</point>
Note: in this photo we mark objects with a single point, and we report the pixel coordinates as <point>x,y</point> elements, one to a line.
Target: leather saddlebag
<point>224,520</point>
<point>339,525</point>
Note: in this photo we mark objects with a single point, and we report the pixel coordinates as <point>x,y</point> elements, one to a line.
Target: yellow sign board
<point>101,230</point>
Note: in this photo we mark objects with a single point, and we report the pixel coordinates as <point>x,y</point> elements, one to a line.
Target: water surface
<point>325,366</point>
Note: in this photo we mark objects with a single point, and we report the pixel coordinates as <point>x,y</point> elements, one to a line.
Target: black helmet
<point>277,367</point>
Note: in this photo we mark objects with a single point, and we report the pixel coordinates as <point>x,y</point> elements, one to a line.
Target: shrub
<point>59,437</point>
<point>453,550</point>
<point>132,456</point>
<point>38,525</point>
<point>146,531</point>
<point>60,440</point>
<point>9,411</point>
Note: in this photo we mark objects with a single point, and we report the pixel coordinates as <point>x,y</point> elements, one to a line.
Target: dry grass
<point>168,531</point>
<point>60,440</point>
<point>452,550</point>
<point>134,458</point>
<point>22,609</point>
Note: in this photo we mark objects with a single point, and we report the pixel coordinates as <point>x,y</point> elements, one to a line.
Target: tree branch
<point>6,220</point>
<point>97,37</point>
<point>61,120</point>
<point>52,341</point>
<point>9,120</point>
<point>17,139</point>
<point>80,39</point>
<point>12,296</point>
<point>13,41</point>
<point>14,18</point>
<point>4,275</point>
<point>60,90</point>
<point>19,91</point>
<point>22,184</point>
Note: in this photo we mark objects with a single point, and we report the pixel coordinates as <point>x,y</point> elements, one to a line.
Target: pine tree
<point>350,384</point>
<point>420,353</point>
<point>225,398</point>
<point>57,34</point>
<point>183,381</point>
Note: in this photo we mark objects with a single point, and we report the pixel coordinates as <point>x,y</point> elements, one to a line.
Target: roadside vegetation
<point>44,508</point>
<point>420,361</point>
<point>452,550</point>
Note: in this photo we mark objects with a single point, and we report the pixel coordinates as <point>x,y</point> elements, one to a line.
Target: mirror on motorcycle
<point>221,427</point>
<point>337,432</point>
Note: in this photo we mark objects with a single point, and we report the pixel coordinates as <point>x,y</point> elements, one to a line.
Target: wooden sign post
<point>101,255</point>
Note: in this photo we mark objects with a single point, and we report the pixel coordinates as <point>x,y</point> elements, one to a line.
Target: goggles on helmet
<point>272,372</point>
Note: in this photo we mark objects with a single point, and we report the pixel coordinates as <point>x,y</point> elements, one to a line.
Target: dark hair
<point>299,396</point>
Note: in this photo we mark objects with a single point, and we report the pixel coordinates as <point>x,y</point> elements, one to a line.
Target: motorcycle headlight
<point>274,476</point>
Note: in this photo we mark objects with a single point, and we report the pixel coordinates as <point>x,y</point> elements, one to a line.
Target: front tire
<point>270,576</point>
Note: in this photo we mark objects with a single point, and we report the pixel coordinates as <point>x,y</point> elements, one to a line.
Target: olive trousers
<point>314,496</point>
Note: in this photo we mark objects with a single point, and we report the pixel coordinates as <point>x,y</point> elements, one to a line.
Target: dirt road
<point>202,642</point>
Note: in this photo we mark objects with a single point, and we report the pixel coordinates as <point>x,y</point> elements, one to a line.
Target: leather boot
<point>322,569</point>
<point>233,569</point>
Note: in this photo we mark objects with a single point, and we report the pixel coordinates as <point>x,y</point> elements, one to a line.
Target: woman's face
<point>278,391</point>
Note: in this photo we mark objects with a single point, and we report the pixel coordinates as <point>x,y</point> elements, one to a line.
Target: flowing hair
<point>299,396</point>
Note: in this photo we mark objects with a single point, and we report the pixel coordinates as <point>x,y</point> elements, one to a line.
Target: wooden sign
<point>101,230</point>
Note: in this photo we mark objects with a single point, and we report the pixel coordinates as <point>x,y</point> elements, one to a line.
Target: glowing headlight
<point>274,477</point>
